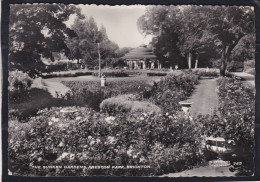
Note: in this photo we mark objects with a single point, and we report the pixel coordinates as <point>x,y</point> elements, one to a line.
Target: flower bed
<point>156,74</point>
<point>205,73</point>
<point>112,74</point>
<point>165,143</point>
<point>66,74</point>
<point>127,103</point>
<point>19,81</point>
<point>234,121</point>
<point>171,89</point>
<point>92,94</point>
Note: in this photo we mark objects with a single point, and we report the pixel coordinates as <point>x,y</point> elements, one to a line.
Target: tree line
<point>37,31</point>
<point>200,35</point>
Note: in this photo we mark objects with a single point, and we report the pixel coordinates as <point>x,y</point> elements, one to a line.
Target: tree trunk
<point>223,66</point>
<point>196,63</point>
<point>189,60</point>
<point>226,52</point>
<point>99,61</point>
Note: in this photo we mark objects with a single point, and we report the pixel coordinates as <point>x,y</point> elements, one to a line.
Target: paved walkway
<point>204,171</point>
<point>204,97</point>
<point>52,86</point>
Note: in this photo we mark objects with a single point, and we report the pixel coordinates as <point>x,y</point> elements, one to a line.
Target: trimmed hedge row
<point>204,73</point>
<point>66,74</point>
<point>156,74</point>
<point>112,74</point>
<point>127,103</point>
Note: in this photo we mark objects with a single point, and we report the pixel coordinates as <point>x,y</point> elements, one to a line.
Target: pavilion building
<point>142,57</point>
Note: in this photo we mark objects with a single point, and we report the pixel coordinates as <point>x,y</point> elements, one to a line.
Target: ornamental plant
<point>234,120</point>
<point>19,81</point>
<point>84,137</point>
<point>171,89</point>
<point>127,103</point>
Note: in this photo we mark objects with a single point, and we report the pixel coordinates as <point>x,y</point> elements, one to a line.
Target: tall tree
<point>37,31</point>
<point>194,36</point>
<point>85,45</point>
<point>192,31</point>
<point>228,26</point>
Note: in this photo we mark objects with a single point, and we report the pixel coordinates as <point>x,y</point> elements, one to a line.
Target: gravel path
<point>204,97</point>
<point>204,171</point>
<point>52,86</point>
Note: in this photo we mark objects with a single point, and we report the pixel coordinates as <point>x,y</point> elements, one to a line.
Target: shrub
<point>250,71</point>
<point>25,104</point>
<point>156,74</point>
<point>234,120</point>
<point>204,73</point>
<point>112,74</point>
<point>66,74</point>
<point>19,81</point>
<point>113,88</point>
<point>89,138</point>
<point>249,65</point>
<point>127,103</point>
<point>171,89</point>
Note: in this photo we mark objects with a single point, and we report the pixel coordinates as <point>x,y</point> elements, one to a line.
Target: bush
<point>25,104</point>
<point>87,138</point>
<point>204,73</point>
<point>112,74</point>
<point>66,74</point>
<point>19,81</point>
<point>156,74</point>
<point>250,71</point>
<point>127,103</point>
<point>171,89</point>
<point>234,120</point>
<point>113,88</point>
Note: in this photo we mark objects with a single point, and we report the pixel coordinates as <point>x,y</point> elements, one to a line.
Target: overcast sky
<point>120,23</point>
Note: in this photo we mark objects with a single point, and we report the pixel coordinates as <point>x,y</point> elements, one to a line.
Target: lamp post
<point>99,60</point>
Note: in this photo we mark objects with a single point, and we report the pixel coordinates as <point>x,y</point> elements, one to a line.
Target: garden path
<point>52,86</point>
<point>204,171</point>
<point>204,97</point>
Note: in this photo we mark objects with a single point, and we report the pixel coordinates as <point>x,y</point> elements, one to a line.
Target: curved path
<point>52,86</point>
<point>204,97</point>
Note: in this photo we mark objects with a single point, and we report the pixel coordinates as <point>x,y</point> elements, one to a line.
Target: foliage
<point>119,73</point>
<point>19,81</point>
<point>88,138</point>
<point>112,89</point>
<point>200,32</point>
<point>85,45</point>
<point>249,67</point>
<point>125,104</point>
<point>36,31</point>
<point>235,120</point>
<point>156,74</point>
<point>206,73</point>
<point>24,104</point>
<point>66,74</point>
<point>171,89</point>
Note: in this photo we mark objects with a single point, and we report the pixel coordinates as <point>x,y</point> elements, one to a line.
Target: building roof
<point>140,52</point>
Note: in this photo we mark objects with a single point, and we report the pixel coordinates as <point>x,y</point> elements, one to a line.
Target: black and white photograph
<point>131,90</point>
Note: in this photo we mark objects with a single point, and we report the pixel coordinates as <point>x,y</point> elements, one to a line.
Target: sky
<point>120,23</point>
